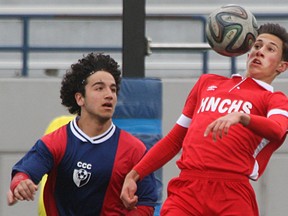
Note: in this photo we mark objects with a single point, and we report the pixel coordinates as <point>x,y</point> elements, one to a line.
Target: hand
<point>129,189</point>
<point>25,190</point>
<point>221,126</point>
<point>11,200</point>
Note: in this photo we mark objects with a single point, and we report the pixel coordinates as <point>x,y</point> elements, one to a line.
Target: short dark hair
<point>278,31</point>
<point>75,78</point>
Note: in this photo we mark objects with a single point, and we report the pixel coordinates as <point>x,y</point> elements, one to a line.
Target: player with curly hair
<point>87,159</point>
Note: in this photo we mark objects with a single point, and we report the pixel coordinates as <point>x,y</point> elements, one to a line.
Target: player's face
<point>264,61</point>
<point>100,96</point>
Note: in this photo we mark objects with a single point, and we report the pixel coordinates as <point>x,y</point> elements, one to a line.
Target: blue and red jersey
<point>85,175</point>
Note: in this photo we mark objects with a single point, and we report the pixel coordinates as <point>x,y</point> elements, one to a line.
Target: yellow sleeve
<point>53,125</point>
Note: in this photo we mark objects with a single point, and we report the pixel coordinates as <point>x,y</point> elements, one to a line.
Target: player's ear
<point>79,99</point>
<point>282,66</point>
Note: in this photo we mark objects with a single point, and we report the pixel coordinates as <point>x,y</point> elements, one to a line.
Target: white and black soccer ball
<point>231,30</point>
<point>82,174</point>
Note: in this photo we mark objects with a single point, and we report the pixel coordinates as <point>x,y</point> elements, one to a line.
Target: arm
<point>21,188</point>
<point>275,126</point>
<point>156,157</point>
<point>162,152</point>
<point>272,128</point>
<point>27,173</point>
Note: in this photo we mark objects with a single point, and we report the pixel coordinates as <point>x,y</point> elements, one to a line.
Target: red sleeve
<point>141,211</point>
<point>265,154</point>
<point>191,100</point>
<point>59,137</point>
<point>162,152</point>
<point>273,128</point>
<point>16,180</point>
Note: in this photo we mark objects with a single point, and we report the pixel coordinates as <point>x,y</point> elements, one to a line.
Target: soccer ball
<point>82,174</point>
<point>231,30</point>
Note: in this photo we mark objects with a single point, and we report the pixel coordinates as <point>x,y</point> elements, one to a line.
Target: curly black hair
<point>278,31</point>
<point>75,78</point>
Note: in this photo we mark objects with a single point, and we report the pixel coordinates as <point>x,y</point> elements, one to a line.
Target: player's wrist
<point>245,119</point>
<point>18,177</point>
<point>133,175</point>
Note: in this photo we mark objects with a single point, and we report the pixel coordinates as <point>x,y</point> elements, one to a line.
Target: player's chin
<point>255,69</point>
<point>106,116</point>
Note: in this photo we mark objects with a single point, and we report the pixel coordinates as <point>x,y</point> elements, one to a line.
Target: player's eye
<point>271,49</point>
<point>113,90</point>
<point>98,88</point>
<point>257,46</point>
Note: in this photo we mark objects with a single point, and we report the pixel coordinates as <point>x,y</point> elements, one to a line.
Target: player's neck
<point>92,127</point>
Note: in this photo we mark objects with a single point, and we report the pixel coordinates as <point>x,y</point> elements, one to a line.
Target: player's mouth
<point>256,61</point>
<point>108,105</point>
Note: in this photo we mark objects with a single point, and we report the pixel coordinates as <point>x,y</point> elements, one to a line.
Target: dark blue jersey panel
<point>85,172</point>
<point>36,162</point>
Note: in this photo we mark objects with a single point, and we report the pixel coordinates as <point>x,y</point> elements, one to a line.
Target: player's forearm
<point>161,152</point>
<point>269,128</point>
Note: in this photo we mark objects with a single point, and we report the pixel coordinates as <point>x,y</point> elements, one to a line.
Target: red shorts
<point>197,193</point>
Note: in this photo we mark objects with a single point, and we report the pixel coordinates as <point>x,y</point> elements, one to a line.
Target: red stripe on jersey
<point>130,150</point>
<point>56,142</point>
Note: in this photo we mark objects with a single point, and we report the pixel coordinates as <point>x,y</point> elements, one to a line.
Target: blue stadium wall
<point>139,111</point>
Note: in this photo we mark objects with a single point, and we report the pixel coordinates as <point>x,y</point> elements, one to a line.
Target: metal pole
<point>134,42</point>
<point>25,48</point>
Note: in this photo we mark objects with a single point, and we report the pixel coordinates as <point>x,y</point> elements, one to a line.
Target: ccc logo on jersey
<point>81,176</point>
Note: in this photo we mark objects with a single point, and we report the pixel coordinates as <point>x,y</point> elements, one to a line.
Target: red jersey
<point>241,150</point>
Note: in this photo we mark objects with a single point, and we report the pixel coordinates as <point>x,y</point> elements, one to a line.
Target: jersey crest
<point>81,176</point>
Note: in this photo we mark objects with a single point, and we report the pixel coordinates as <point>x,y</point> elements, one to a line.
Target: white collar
<point>265,85</point>
<point>94,140</point>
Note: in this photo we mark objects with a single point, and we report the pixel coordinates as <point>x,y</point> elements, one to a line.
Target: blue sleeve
<point>36,162</point>
<point>147,191</point>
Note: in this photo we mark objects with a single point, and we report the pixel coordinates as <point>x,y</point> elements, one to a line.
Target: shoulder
<point>56,135</point>
<point>56,141</point>
<point>132,141</point>
<point>278,99</point>
<point>280,95</point>
<point>213,76</point>
<point>130,148</point>
<point>209,79</point>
